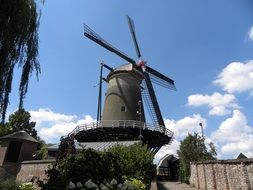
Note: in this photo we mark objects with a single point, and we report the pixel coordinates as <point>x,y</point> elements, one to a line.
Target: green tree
<point>193,149</point>
<point>20,120</point>
<point>136,162</point>
<point>4,129</point>
<point>66,147</point>
<point>19,22</point>
<point>43,149</point>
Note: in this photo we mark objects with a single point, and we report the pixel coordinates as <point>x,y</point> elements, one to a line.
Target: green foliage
<point>138,184</point>
<point>19,22</point>
<point>133,164</point>
<point>11,184</point>
<point>20,120</point>
<point>4,129</point>
<point>8,185</point>
<point>43,152</point>
<point>136,162</point>
<point>66,147</point>
<point>193,149</point>
<point>26,186</point>
<point>88,164</point>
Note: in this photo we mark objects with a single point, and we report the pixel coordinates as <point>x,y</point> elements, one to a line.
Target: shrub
<point>26,186</point>
<point>8,185</point>
<point>136,162</point>
<point>119,163</point>
<point>88,164</point>
<point>11,184</point>
<point>113,185</point>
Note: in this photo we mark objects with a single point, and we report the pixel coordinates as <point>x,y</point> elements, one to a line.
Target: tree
<point>20,120</point>
<point>66,147</point>
<point>19,22</point>
<point>137,162</point>
<point>193,149</point>
<point>4,129</point>
<point>42,149</point>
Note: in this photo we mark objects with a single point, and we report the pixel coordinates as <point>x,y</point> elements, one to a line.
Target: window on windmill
<point>123,108</point>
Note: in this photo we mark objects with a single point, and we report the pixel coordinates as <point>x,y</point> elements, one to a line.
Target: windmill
<point>123,115</point>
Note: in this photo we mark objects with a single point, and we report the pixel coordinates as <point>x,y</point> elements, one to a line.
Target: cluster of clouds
<point>51,126</point>
<point>219,104</point>
<point>234,135</point>
<point>236,77</point>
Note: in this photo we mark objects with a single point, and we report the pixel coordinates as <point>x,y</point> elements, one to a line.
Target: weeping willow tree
<point>19,22</point>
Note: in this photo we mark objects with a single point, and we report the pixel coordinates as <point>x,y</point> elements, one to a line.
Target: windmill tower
<point>129,85</point>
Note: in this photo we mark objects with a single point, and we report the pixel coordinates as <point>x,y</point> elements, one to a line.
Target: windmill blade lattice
<point>160,76</point>
<point>161,82</point>
<point>153,99</point>
<point>148,102</point>
<point>89,33</point>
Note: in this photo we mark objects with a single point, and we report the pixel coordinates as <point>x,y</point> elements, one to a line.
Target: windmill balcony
<point>122,123</point>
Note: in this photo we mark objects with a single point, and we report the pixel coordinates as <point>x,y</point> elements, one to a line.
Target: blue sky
<point>205,46</point>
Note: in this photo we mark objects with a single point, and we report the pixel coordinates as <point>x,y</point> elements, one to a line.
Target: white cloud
<point>250,33</point>
<point>49,134</point>
<point>181,128</point>
<point>237,147</point>
<point>234,135</point>
<point>47,115</point>
<point>218,103</point>
<point>236,77</point>
<point>51,126</point>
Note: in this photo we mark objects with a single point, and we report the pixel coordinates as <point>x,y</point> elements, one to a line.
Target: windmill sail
<point>89,33</point>
<point>132,30</point>
<point>148,102</point>
<point>162,78</point>
<point>153,99</point>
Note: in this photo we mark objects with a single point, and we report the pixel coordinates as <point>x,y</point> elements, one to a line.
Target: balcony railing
<point>123,124</point>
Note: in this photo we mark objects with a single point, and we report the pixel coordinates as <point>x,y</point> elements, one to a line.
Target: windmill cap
<point>126,68</point>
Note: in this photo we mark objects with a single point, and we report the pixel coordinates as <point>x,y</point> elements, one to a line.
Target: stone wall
<point>3,149</point>
<point>8,170</point>
<point>34,168</point>
<point>26,170</point>
<point>222,174</point>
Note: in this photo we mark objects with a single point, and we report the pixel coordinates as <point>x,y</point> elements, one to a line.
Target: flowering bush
<point>127,165</point>
<point>13,185</point>
<point>26,186</point>
<point>113,185</point>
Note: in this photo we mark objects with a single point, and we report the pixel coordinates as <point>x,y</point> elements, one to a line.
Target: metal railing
<point>123,124</point>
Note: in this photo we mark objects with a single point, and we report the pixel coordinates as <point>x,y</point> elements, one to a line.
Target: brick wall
<point>222,174</point>
<point>34,168</point>
<point>3,149</point>
<point>26,170</point>
<point>8,170</point>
